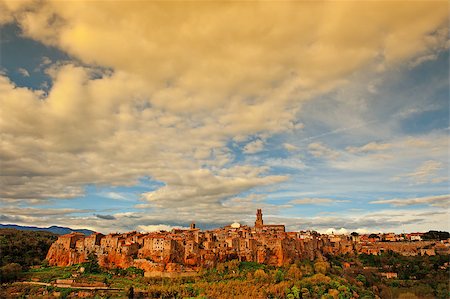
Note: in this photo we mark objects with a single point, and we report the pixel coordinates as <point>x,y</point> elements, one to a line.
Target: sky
<point>133,115</point>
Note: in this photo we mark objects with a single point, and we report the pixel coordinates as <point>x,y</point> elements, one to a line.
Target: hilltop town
<point>186,250</point>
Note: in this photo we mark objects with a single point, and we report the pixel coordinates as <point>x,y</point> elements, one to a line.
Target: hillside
<point>59,230</point>
<point>26,248</point>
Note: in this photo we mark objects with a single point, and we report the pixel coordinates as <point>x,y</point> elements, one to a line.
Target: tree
<point>130,292</point>
<point>296,292</point>
<point>294,272</point>
<point>220,268</point>
<point>10,272</point>
<point>321,267</point>
<point>25,248</point>
<point>91,266</point>
<point>260,275</point>
<point>361,278</point>
<point>279,276</point>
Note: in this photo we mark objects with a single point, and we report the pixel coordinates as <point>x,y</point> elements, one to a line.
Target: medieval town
<point>184,251</point>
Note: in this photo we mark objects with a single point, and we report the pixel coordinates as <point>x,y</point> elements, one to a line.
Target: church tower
<point>259,220</point>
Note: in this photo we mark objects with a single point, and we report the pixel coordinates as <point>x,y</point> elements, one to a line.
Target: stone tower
<point>259,220</point>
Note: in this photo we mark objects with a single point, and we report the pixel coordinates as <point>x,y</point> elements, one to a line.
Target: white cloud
<point>114,195</point>
<point>394,220</point>
<point>293,163</point>
<point>425,173</point>
<point>23,72</point>
<point>178,91</point>
<point>319,150</point>
<point>435,201</point>
<point>290,147</point>
<point>316,201</point>
<point>369,147</point>
<point>158,227</point>
<point>40,212</point>
<point>254,147</point>
<point>203,186</point>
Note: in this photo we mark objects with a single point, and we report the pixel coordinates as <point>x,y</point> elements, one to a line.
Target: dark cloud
<point>105,217</point>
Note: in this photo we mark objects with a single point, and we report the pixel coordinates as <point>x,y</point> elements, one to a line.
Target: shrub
<point>294,272</point>
<point>10,272</point>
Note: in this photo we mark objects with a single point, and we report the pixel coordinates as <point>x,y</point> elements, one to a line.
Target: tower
<point>259,220</point>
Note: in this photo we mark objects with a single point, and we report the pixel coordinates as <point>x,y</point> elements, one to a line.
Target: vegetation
<point>26,248</point>
<point>332,276</point>
<point>322,278</point>
<point>91,266</point>
<point>436,235</point>
<point>10,272</point>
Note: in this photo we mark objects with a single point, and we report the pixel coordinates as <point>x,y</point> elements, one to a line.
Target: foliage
<point>49,274</point>
<point>10,272</point>
<point>134,271</point>
<point>408,267</point>
<point>436,235</point>
<point>26,248</point>
<point>294,272</point>
<point>321,267</point>
<point>250,266</point>
<point>91,266</point>
<point>234,279</point>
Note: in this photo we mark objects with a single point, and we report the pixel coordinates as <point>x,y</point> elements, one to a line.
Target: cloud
<point>204,187</point>
<point>23,72</point>
<point>422,59</point>
<point>165,104</point>
<point>393,156</point>
<point>319,150</point>
<point>290,163</point>
<point>386,220</point>
<point>158,227</point>
<point>435,201</point>
<point>316,201</point>
<point>427,172</point>
<point>105,217</point>
<point>254,147</point>
<point>369,147</point>
<point>114,195</point>
<point>40,212</point>
<point>440,41</point>
<point>290,147</point>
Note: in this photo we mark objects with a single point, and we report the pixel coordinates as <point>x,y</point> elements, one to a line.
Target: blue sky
<point>119,117</point>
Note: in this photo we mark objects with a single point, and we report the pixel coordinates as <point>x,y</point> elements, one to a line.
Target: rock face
<point>188,249</point>
<point>182,249</point>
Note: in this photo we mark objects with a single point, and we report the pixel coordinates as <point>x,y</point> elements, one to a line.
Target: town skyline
<point>148,116</point>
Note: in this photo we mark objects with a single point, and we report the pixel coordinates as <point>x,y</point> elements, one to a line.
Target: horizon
<point>135,116</point>
<point>338,232</point>
<point>163,228</point>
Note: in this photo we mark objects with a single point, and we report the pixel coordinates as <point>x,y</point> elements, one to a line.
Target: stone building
<point>190,249</point>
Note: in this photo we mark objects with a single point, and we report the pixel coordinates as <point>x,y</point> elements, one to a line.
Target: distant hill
<point>59,230</point>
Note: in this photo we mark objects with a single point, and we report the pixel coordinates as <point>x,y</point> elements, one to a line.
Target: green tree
<point>279,276</point>
<point>296,292</point>
<point>442,291</point>
<point>361,278</point>
<point>91,266</point>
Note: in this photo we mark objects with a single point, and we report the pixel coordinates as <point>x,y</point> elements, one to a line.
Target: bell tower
<point>259,220</point>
